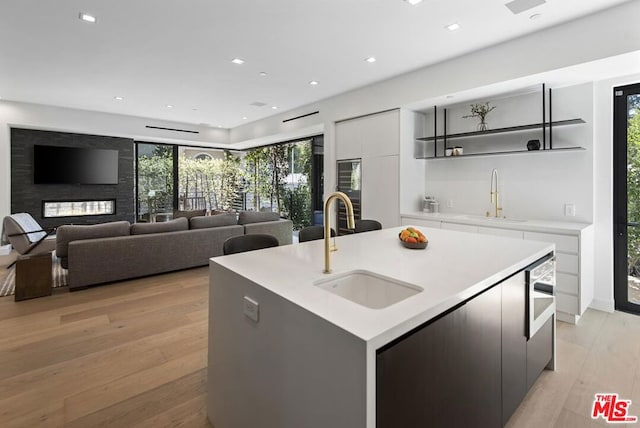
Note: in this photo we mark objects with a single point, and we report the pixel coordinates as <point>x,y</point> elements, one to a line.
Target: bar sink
<point>368,289</point>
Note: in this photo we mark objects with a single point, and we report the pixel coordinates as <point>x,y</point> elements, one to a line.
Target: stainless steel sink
<point>368,289</point>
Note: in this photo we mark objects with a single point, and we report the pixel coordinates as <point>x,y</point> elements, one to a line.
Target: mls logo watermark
<point>612,409</point>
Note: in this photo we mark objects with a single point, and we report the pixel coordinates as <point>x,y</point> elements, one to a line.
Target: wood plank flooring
<point>133,354</point>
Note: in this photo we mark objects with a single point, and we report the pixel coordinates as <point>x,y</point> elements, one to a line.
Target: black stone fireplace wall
<point>28,197</point>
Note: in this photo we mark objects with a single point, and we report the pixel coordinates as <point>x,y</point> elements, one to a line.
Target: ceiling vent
<point>258,104</point>
<point>300,117</point>
<point>172,129</point>
<point>519,6</point>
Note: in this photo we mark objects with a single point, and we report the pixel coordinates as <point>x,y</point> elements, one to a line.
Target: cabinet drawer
<point>566,283</point>
<point>567,303</point>
<point>420,223</point>
<point>501,232</point>
<point>567,263</point>
<point>460,227</point>
<point>568,244</point>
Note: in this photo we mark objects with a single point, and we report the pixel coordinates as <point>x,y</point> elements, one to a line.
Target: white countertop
<point>562,227</point>
<point>454,267</point>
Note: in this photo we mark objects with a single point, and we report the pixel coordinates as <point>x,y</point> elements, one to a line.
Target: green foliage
<point>298,202</point>
<point>216,180</point>
<point>155,179</point>
<point>633,186</point>
<point>480,110</point>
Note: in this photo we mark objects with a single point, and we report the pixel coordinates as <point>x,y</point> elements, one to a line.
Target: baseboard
<point>603,305</point>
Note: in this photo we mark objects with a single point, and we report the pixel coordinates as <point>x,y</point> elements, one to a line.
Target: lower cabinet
<point>514,345</point>
<point>471,367</point>
<point>446,373</point>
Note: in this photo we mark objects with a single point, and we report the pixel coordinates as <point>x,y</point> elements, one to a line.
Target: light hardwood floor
<point>133,354</point>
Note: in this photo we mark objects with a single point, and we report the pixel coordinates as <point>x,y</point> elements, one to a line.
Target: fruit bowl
<point>415,245</point>
<point>412,238</point>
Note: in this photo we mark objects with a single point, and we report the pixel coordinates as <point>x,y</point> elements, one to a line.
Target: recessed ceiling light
<point>413,2</point>
<point>274,107</point>
<point>169,105</point>
<point>535,16</point>
<point>237,61</point>
<point>244,117</point>
<point>88,18</point>
<point>371,59</point>
<point>263,74</point>
<point>118,98</point>
<point>313,82</point>
<point>453,26</point>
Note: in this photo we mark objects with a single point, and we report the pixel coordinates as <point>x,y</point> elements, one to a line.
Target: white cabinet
<point>348,143</point>
<point>375,139</point>
<point>380,135</point>
<point>420,223</point>
<point>380,196</point>
<point>574,261</point>
<point>574,266</point>
<point>459,227</point>
<point>369,136</point>
<point>509,233</point>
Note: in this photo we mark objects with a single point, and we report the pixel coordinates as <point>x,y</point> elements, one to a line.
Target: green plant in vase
<point>481,111</point>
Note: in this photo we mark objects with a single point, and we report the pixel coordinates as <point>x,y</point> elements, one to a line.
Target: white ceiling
<point>160,52</point>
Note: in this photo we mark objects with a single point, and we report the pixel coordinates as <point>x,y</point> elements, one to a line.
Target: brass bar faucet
<point>495,194</point>
<point>351,224</point>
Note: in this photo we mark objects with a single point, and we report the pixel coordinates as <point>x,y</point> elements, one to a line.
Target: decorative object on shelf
<point>481,111</point>
<point>533,145</point>
<point>457,151</point>
<point>546,125</point>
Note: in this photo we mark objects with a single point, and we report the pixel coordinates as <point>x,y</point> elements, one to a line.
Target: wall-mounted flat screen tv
<point>71,165</point>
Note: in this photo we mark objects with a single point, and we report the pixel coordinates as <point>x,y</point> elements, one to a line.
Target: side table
<point>33,276</point>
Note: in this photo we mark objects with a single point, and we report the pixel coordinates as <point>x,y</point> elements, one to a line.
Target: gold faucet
<point>351,224</point>
<point>497,206</point>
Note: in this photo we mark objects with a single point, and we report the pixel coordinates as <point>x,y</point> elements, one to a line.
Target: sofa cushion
<point>166,226</point>
<point>247,217</point>
<point>188,214</point>
<point>205,222</point>
<point>68,233</point>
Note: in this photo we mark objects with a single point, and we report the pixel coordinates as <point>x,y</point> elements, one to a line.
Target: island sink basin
<point>368,289</point>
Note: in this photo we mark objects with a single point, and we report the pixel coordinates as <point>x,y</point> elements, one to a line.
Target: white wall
<point>532,186</point>
<point>22,115</point>
<point>606,34</point>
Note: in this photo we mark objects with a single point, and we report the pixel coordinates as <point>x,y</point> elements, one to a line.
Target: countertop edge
<point>543,226</point>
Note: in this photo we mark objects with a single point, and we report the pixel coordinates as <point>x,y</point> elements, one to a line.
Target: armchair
<point>26,236</point>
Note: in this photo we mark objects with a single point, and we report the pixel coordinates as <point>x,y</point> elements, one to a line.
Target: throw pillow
<point>247,217</point>
<point>205,222</point>
<point>166,226</point>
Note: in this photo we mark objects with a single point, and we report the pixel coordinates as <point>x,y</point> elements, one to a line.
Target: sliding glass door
<point>626,196</point>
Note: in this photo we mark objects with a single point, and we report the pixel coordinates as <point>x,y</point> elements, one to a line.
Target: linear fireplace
<point>79,208</point>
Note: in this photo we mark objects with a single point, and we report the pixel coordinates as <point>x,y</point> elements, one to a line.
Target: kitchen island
<point>286,352</point>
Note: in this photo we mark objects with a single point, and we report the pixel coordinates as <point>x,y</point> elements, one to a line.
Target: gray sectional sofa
<point>119,250</point>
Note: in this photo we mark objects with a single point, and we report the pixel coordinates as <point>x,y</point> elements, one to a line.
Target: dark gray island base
<point>471,366</point>
<point>418,343</point>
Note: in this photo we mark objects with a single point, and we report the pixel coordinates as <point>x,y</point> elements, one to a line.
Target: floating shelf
<point>507,130</point>
<point>511,152</point>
